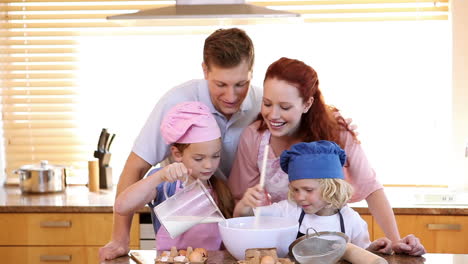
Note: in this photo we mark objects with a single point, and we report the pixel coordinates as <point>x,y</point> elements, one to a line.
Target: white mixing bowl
<point>241,233</point>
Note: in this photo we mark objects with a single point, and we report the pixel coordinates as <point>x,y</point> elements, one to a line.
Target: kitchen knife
<point>104,145</point>
<point>102,140</point>
<point>110,142</point>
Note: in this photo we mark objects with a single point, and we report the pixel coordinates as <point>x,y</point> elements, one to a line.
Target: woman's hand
<point>409,245</point>
<point>382,245</point>
<point>255,196</point>
<point>175,171</point>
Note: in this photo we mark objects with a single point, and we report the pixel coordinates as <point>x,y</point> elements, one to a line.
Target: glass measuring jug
<point>190,206</point>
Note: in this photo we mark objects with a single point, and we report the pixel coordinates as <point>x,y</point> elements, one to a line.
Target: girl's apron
<point>276,181</point>
<point>202,235</point>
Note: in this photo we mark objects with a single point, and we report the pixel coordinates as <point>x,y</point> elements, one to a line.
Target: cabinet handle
<point>56,223</point>
<point>56,258</point>
<point>444,226</point>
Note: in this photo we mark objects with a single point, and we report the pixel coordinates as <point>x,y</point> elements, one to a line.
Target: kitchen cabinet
<point>370,225</point>
<point>57,237</point>
<point>438,233</point>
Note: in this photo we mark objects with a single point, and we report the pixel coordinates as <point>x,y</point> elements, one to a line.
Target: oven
<point>147,236</point>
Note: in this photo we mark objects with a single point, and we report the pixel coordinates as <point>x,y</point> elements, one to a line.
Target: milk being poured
<point>186,208</point>
<point>176,225</point>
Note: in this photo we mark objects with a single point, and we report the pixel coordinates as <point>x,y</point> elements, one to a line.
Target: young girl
<point>195,142</point>
<point>317,194</point>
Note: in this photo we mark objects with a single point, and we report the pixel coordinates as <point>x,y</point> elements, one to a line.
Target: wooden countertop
<point>77,199</point>
<point>217,257</point>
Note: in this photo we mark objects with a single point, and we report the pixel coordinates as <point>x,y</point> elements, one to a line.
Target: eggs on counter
<point>263,256</point>
<point>195,256</point>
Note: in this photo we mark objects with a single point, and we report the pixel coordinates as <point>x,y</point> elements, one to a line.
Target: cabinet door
<point>438,234</point>
<point>370,225</point>
<point>66,255</point>
<point>86,229</point>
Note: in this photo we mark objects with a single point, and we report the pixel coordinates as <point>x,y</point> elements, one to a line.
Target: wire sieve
<point>319,248</point>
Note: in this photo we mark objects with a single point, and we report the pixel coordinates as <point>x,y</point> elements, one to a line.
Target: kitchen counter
<point>77,199</point>
<point>217,257</point>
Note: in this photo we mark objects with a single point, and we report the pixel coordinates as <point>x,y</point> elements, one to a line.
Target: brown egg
<point>174,252</point>
<point>267,260</point>
<point>202,251</point>
<point>182,252</point>
<point>195,257</point>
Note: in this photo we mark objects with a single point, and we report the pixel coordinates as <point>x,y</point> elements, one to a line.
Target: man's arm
<point>134,170</point>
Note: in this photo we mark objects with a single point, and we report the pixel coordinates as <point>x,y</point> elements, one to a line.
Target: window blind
<point>363,10</point>
<point>40,56</point>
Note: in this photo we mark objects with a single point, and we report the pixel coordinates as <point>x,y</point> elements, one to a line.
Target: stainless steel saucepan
<point>42,178</point>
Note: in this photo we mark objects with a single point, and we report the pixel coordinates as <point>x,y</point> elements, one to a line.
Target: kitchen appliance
<point>42,178</point>
<point>190,9</point>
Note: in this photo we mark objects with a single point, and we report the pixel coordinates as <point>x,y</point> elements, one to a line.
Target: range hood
<point>196,9</point>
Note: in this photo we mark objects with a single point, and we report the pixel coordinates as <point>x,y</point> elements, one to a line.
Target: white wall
<point>392,78</point>
<point>459,19</point>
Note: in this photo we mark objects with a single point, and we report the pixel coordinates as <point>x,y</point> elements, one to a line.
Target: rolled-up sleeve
<point>245,172</point>
<point>358,170</point>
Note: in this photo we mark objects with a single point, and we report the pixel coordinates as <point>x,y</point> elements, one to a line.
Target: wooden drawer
<point>56,255</point>
<point>86,229</point>
<point>438,234</point>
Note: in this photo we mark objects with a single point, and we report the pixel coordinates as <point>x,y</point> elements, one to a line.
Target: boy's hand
<point>256,196</point>
<point>175,171</point>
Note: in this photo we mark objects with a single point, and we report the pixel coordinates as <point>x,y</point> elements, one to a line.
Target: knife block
<point>105,171</point>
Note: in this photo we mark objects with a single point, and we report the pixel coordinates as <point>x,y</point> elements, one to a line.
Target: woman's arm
<point>363,178</point>
<point>382,212</point>
<point>245,172</point>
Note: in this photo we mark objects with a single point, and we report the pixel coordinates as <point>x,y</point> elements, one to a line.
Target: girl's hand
<point>382,245</point>
<point>175,171</point>
<point>256,196</point>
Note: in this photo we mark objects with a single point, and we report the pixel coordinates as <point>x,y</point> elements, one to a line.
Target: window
<point>68,73</point>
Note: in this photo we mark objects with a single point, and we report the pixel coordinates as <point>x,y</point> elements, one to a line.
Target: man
<point>228,57</point>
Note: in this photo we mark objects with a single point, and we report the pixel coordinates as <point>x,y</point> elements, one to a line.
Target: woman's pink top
<point>245,172</point>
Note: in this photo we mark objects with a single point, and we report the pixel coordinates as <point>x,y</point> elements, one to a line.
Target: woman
<point>293,111</point>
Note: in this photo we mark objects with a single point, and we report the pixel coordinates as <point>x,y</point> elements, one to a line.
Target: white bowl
<point>241,233</point>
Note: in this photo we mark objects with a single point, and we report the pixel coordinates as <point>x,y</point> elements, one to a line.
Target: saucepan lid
<point>42,166</point>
